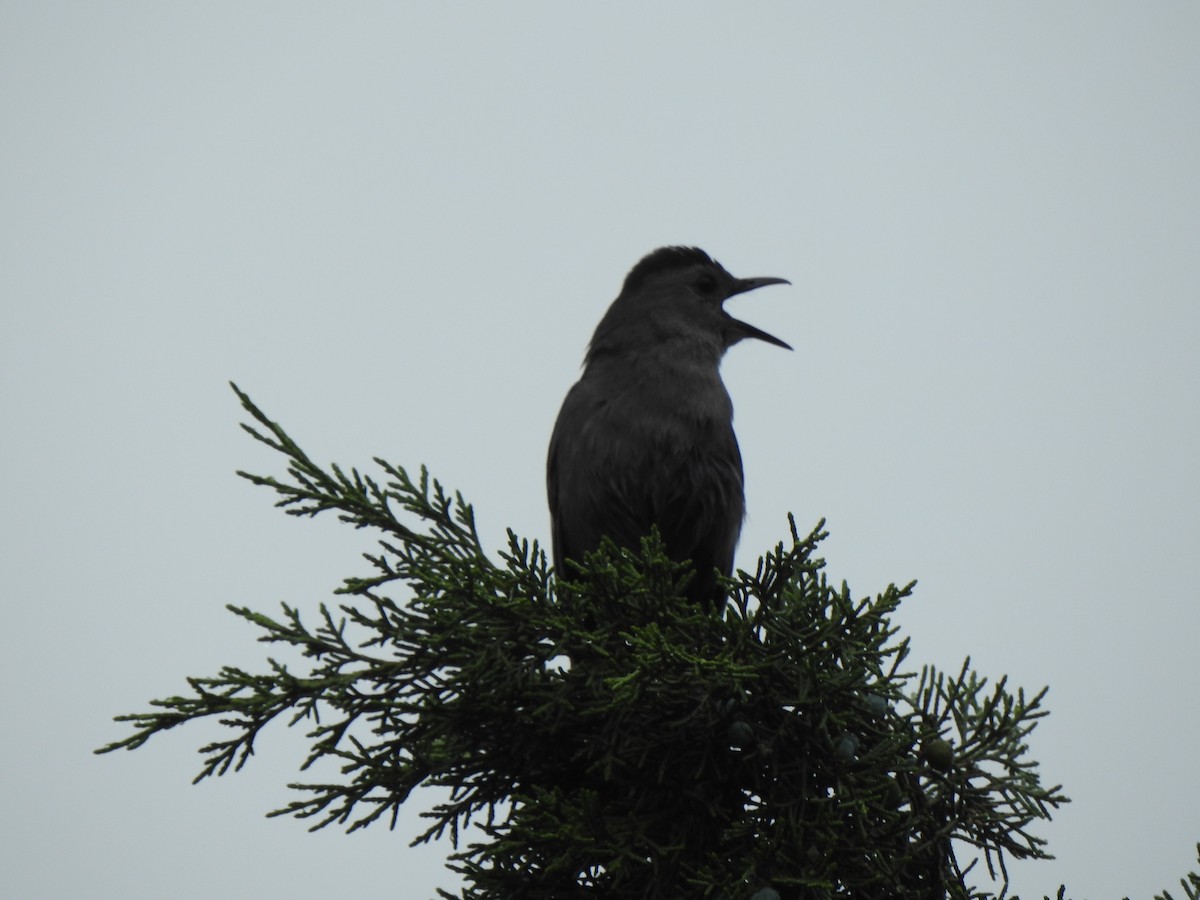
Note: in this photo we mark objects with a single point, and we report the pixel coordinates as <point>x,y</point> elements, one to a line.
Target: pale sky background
<point>396,226</point>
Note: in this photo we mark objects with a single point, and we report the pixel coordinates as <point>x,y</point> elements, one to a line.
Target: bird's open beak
<point>745,329</point>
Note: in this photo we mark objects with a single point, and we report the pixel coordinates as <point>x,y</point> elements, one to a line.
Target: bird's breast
<point>661,413</point>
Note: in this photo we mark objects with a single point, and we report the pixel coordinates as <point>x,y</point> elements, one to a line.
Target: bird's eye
<point>706,283</point>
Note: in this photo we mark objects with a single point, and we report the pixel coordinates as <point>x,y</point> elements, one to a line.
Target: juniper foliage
<point>601,736</point>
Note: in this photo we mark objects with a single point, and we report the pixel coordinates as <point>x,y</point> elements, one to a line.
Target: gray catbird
<point>646,435</point>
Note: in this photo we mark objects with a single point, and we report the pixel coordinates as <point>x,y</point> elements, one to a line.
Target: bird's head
<point>677,295</point>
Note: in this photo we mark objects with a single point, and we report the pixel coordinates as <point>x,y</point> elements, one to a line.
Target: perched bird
<point>646,435</point>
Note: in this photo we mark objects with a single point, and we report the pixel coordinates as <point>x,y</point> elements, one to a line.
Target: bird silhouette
<point>645,437</point>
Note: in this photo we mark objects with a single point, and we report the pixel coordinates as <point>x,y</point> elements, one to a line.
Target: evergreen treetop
<point>600,736</point>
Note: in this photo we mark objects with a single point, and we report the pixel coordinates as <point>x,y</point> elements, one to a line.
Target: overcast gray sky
<point>396,225</point>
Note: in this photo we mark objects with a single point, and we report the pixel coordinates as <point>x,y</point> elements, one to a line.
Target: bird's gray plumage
<point>646,435</point>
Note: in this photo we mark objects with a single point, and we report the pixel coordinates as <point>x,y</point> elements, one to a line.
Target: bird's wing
<point>552,492</point>
<point>595,483</point>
